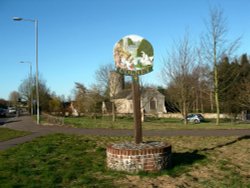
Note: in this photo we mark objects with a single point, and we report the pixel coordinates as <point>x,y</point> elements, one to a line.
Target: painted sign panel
<point>133,55</point>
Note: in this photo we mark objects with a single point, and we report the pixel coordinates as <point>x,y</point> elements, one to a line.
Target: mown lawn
<point>149,124</point>
<point>80,161</point>
<point>6,134</point>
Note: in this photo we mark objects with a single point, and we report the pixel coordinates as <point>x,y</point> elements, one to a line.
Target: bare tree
<point>55,104</point>
<point>204,82</point>
<point>24,89</point>
<point>44,91</point>
<point>110,83</point>
<point>216,46</point>
<point>102,78</point>
<point>87,100</point>
<point>94,100</point>
<point>14,98</point>
<point>80,99</point>
<point>177,74</point>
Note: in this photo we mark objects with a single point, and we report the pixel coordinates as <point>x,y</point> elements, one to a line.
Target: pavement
<point>25,123</point>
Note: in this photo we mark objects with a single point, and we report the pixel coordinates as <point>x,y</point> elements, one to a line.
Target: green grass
<point>80,161</point>
<point>7,134</point>
<point>100,122</point>
<point>55,161</point>
<point>149,124</point>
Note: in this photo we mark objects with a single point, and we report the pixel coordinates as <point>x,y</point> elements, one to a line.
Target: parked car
<point>3,112</point>
<point>195,118</point>
<point>11,110</point>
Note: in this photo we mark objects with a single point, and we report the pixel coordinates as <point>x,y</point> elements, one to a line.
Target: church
<point>152,101</point>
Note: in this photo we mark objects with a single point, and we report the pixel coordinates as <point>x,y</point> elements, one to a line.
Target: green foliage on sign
<point>146,47</point>
<point>130,42</point>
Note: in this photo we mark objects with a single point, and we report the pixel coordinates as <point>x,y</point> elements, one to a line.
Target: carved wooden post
<point>134,56</point>
<point>137,109</point>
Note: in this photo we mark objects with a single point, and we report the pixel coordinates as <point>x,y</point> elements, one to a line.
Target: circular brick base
<point>131,157</point>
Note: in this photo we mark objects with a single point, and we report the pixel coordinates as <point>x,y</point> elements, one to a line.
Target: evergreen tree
<point>234,87</point>
<point>244,86</point>
<point>228,81</point>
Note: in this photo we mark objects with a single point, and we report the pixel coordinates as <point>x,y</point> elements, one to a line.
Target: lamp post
<point>36,47</point>
<point>30,85</point>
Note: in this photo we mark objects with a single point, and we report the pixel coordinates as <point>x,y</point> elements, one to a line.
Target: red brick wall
<point>135,160</point>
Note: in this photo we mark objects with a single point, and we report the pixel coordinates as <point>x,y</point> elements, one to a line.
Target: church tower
<point>116,83</point>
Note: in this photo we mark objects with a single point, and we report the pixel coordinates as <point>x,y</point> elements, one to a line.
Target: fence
<point>52,120</point>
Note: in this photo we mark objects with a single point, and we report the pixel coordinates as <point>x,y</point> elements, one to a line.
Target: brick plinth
<point>139,157</point>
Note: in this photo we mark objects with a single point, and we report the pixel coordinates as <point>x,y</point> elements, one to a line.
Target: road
<point>25,123</point>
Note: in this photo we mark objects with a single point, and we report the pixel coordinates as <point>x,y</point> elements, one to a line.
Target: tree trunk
<point>113,112</point>
<point>216,89</point>
<point>216,95</point>
<point>185,113</point>
<point>202,105</point>
<point>211,102</point>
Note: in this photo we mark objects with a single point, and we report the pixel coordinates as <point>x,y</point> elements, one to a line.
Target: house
<point>69,109</point>
<point>152,101</point>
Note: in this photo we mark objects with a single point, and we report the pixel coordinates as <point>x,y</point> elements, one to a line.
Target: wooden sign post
<point>133,56</point>
<point>137,109</point>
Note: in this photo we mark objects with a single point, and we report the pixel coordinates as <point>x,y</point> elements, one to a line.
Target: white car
<point>195,118</point>
<point>11,110</point>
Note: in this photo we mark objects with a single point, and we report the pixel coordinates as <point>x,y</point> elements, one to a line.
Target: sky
<point>76,37</point>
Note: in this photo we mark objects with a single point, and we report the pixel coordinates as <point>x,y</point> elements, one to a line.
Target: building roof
<point>124,94</point>
<point>127,94</point>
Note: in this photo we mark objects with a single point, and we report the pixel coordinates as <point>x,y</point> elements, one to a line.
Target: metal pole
<point>37,86</point>
<point>36,48</point>
<point>31,94</point>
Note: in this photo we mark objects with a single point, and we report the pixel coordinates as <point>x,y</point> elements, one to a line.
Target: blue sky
<point>77,36</point>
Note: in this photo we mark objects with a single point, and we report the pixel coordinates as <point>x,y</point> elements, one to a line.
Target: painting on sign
<point>133,55</point>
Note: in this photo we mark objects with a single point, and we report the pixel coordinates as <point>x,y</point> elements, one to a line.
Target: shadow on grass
<point>182,161</point>
<point>187,158</point>
<point>227,144</point>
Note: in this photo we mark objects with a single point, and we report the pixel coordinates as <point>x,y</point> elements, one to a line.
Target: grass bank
<point>79,161</point>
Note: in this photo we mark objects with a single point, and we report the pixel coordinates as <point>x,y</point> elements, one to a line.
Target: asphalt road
<point>25,123</point>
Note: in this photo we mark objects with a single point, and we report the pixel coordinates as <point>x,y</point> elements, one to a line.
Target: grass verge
<point>7,134</point>
<point>149,124</point>
<point>80,161</point>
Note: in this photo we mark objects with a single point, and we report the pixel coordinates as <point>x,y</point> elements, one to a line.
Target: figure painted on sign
<point>122,57</point>
<point>133,53</point>
<point>145,60</point>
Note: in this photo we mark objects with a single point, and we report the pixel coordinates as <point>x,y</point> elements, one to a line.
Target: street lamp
<point>30,85</point>
<point>36,47</point>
